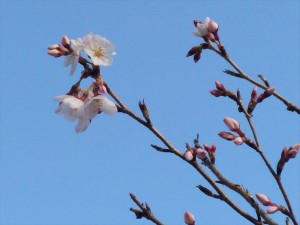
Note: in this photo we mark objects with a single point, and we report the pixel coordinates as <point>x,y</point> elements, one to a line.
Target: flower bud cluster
<point>201,153</point>
<point>265,200</point>
<point>254,99</point>
<point>220,91</point>
<point>286,155</point>
<point>234,126</point>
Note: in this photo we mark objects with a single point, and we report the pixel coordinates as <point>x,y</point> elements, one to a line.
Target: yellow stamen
<point>98,52</point>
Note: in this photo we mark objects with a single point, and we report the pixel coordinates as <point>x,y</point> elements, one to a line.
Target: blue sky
<point>51,175</point>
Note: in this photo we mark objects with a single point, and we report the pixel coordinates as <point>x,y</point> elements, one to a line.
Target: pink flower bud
<point>232,124</point>
<point>273,208</point>
<point>217,93</point>
<point>212,26</point>
<point>189,218</point>
<point>201,153</point>
<point>292,153</point>
<point>57,50</point>
<point>296,146</point>
<point>65,41</point>
<point>227,136</point>
<point>267,93</point>
<point>220,86</point>
<point>210,149</point>
<point>54,52</point>
<point>189,155</point>
<point>54,46</point>
<point>238,141</point>
<point>265,200</point>
<point>254,94</point>
<point>100,88</point>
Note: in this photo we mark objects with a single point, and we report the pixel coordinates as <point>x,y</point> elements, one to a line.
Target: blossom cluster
<point>99,49</point>
<point>83,104</point>
<point>191,153</point>
<point>234,126</point>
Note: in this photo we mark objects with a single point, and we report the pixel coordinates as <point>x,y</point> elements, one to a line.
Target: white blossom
<point>68,106</point>
<point>99,49</point>
<point>94,106</point>
<point>72,58</point>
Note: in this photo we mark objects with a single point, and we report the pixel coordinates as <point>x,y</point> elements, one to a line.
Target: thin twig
<point>144,212</point>
<point>172,149</point>
<point>290,106</point>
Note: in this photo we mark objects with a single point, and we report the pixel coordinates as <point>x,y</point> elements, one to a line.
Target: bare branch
<point>144,211</point>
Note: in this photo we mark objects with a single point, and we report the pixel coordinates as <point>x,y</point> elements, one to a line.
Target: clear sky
<point>49,175</point>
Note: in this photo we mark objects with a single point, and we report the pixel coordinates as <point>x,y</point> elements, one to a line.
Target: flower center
<point>98,52</point>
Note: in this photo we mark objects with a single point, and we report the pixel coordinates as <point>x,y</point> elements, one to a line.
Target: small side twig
<point>160,149</point>
<point>144,211</point>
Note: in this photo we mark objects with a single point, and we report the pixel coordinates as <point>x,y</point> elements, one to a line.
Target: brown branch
<point>240,190</point>
<point>172,149</point>
<point>256,147</point>
<point>240,74</point>
<point>144,211</point>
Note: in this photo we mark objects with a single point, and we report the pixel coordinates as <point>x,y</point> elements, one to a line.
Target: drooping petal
<point>83,123</point>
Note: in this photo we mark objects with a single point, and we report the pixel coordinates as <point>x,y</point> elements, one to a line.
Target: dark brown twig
<point>144,211</point>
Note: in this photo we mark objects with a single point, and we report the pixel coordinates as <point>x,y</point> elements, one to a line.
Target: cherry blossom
<point>73,57</point>
<point>93,107</point>
<point>99,49</point>
<point>68,106</point>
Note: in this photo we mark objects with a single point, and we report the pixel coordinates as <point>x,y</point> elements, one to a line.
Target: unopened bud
<point>65,41</point>
<point>54,52</point>
<point>254,93</point>
<point>227,135</point>
<point>232,124</point>
<point>54,46</point>
<point>267,93</point>
<point>201,153</point>
<point>189,155</point>
<point>144,110</point>
<point>189,218</point>
<point>217,93</point>
<point>57,50</point>
<point>238,141</point>
<point>212,26</point>
<point>273,208</point>
<point>220,86</point>
<point>265,200</point>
